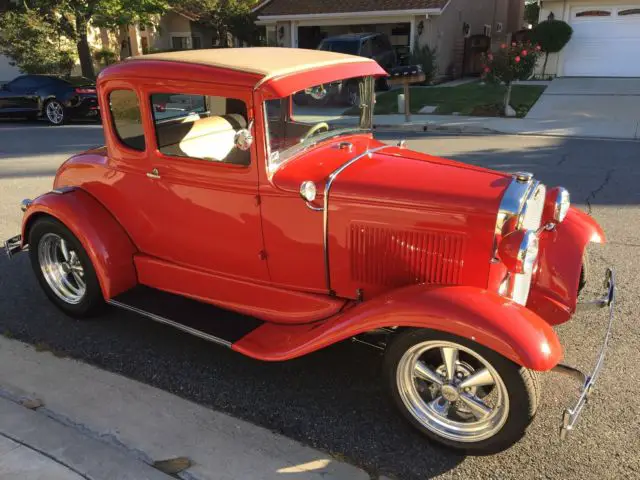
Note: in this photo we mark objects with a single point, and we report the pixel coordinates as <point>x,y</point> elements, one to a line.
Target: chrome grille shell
<point>522,202</point>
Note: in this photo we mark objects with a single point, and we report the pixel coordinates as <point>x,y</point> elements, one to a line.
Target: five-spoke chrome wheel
<point>61,268</point>
<point>452,391</point>
<point>55,112</point>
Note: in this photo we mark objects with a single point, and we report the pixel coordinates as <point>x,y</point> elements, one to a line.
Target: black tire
<point>584,272</point>
<point>522,386</point>
<point>55,120</point>
<point>92,301</point>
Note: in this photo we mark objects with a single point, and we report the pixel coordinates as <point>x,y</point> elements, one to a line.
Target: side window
<point>367,50</point>
<point>200,127</point>
<point>127,119</point>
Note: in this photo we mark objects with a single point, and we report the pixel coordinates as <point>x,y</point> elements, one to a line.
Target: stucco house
<point>605,41</point>
<point>441,24</point>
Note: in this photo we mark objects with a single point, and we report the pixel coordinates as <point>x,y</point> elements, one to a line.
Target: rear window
<point>127,119</point>
<point>341,46</point>
<point>78,81</point>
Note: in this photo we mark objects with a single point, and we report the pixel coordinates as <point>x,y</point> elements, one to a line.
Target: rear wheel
<point>459,393</point>
<point>64,269</point>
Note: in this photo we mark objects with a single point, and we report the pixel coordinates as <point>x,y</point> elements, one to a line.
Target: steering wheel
<point>317,127</point>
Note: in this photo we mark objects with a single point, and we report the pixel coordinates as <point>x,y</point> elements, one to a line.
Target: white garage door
<point>605,42</point>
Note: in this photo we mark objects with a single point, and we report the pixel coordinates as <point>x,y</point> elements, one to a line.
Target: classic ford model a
<point>216,189</point>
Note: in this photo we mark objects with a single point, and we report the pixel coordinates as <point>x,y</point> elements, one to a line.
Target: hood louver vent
<point>394,258</point>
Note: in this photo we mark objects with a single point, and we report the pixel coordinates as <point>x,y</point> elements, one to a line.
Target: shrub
<point>105,57</point>
<point>552,36</point>
<point>511,62</point>
<point>426,58</point>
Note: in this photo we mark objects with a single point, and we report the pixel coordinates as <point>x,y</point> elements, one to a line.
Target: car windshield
<point>317,113</point>
<point>341,46</point>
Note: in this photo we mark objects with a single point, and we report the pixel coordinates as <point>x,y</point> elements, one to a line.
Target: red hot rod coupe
<point>216,189</point>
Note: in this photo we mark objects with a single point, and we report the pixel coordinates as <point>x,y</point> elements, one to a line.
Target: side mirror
<point>244,138</point>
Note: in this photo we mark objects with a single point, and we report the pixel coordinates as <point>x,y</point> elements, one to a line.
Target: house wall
<point>285,40</point>
<point>7,72</point>
<point>445,32</point>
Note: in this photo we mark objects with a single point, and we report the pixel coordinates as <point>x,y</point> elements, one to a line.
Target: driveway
<point>605,103</point>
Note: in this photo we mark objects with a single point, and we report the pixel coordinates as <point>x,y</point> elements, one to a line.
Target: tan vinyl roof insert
<point>268,62</point>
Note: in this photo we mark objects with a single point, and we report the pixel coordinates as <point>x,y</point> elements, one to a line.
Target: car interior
<point>206,132</point>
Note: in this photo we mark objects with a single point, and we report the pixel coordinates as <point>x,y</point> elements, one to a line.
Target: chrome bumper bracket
<point>571,415</point>
<point>13,246</point>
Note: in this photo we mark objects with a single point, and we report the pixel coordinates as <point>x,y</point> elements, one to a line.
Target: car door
<point>20,95</point>
<point>205,210</point>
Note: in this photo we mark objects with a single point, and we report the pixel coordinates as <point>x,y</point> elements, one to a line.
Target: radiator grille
<point>382,256</point>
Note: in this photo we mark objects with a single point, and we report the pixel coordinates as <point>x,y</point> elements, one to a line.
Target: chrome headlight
<point>556,205</point>
<point>563,202</point>
<point>519,251</point>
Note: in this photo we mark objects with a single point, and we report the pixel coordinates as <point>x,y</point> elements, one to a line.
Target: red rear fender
<point>487,318</point>
<point>107,244</point>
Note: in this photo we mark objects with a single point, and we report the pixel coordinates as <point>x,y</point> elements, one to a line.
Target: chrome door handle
<point>154,174</point>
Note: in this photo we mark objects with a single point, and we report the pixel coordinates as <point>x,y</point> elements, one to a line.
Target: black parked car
<point>371,45</point>
<point>55,98</point>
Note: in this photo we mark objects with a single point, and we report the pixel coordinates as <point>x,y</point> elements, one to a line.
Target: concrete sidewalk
<point>614,129</point>
<point>84,422</point>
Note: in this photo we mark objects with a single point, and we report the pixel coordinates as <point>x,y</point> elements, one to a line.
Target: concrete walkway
<point>91,424</point>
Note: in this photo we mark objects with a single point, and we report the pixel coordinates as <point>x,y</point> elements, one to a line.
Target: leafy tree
<point>227,18</point>
<point>33,44</point>
<point>532,12</point>
<point>71,18</point>
<point>514,62</point>
<point>552,36</point>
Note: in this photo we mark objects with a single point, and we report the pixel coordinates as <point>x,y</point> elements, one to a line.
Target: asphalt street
<point>334,399</point>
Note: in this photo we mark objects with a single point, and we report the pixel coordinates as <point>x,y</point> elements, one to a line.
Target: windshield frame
<point>276,158</point>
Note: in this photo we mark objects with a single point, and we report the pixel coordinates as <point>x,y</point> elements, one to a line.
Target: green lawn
<point>468,99</point>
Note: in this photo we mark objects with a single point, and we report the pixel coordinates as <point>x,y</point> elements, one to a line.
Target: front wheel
<point>459,393</point>
<point>64,269</point>
<point>55,112</point>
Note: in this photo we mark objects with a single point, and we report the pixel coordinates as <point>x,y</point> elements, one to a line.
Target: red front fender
<point>485,317</point>
<point>554,290</point>
<point>107,244</point>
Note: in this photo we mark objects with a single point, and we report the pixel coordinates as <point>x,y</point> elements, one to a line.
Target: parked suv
<point>370,45</point>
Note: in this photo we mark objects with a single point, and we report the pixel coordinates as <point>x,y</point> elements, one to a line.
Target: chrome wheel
<point>61,268</point>
<point>55,112</point>
<point>452,391</point>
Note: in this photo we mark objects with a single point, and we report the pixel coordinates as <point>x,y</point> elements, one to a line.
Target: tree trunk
<point>507,98</point>
<point>544,67</point>
<point>84,52</point>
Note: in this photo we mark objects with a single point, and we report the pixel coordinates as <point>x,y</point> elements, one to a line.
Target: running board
<point>192,316</point>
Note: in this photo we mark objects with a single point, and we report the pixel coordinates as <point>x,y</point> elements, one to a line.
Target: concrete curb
<point>147,424</point>
<point>85,456</point>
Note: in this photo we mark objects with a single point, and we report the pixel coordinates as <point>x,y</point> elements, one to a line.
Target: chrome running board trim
<point>171,323</point>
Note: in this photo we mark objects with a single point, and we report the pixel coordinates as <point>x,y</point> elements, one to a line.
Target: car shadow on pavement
<point>333,400</point>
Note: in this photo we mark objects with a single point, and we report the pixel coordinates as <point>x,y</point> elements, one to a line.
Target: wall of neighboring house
<point>445,32</point>
<point>7,72</point>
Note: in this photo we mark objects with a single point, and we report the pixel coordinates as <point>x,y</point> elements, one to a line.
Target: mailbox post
<point>405,76</point>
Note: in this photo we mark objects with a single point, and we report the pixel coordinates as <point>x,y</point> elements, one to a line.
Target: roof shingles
<point>298,7</point>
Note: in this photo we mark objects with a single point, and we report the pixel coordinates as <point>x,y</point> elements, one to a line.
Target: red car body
<point>398,238</point>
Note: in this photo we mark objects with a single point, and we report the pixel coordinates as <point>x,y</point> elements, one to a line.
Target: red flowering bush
<point>514,62</point>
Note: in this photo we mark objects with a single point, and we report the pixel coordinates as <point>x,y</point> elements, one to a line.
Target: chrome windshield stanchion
<point>570,415</point>
<point>13,246</point>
